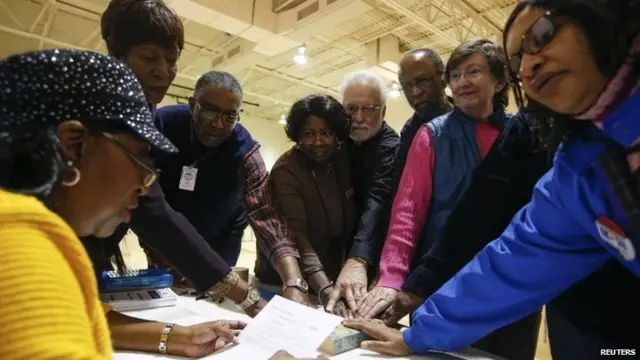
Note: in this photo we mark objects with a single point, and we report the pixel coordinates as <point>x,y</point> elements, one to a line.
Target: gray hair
<point>222,80</point>
<point>364,77</point>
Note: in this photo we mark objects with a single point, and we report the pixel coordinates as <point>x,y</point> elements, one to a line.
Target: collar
<point>498,118</point>
<point>623,126</point>
<point>384,128</point>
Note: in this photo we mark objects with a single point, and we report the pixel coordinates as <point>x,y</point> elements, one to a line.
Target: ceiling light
<point>396,91</point>
<point>282,120</point>
<point>301,57</point>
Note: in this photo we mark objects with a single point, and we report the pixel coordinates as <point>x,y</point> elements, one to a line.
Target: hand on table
<point>376,302</point>
<point>297,295</point>
<point>283,355</point>
<point>404,304</point>
<point>254,309</point>
<point>203,339</point>
<point>385,341</point>
<point>340,308</point>
<point>351,285</point>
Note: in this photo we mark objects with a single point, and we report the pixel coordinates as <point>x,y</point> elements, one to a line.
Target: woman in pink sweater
<point>440,164</point>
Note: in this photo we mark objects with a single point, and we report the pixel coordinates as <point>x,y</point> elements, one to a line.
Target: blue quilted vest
<point>216,206</point>
<point>456,157</point>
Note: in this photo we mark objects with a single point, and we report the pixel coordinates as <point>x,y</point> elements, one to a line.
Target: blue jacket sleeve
<point>542,252</point>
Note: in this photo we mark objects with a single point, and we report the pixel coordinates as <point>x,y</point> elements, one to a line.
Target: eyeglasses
<point>367,110</point>
<point>325,137</point>
<point>468,74</point>
<point>149,174</point>
<point>211,115</point>
<point>539,35</point>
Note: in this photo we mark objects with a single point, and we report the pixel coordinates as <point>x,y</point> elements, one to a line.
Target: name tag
<point>188,178</point>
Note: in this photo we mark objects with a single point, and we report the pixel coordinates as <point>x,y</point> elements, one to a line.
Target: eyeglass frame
<point>227,118</point>
<point>364,108</point>
<point>465,74</point>
<point>515,61</point>
<point>151,175</point>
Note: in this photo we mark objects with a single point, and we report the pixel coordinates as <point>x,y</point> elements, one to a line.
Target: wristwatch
<point>296,283</point>
<point>253,296</point>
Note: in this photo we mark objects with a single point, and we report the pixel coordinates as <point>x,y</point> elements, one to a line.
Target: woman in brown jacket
<point>312,188</point>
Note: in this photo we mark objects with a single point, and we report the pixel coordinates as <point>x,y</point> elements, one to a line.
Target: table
<point>189,312</point>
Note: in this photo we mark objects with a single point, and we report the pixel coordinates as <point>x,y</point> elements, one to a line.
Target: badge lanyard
<point>190,173</point>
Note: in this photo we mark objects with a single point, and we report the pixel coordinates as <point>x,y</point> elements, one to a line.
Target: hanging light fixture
<point>301,57</point>
<point>396,91</point>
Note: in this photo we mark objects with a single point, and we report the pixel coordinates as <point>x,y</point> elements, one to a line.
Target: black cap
<point>38,90</point>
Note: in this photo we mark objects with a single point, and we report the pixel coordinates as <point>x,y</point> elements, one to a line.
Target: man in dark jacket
<point>376,144</point>
<point>372,147</point>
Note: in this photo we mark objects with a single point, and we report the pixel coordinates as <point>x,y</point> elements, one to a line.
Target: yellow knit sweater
<point>49,307</point>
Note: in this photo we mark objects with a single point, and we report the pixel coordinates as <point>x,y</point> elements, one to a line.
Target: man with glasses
<point>214,187</point>
<point>372,149</point>
<point>421,77</point>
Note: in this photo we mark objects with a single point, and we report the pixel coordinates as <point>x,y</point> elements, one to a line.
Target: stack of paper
<point>282,325</point>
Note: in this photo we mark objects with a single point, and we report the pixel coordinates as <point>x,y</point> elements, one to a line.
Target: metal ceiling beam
<point>293,79</point>
<point>47,25</point>
<point>41,13</point>
<point>399,8</point>
<point>11,15</point>
<point>468,10</point>
<point>247,92</point>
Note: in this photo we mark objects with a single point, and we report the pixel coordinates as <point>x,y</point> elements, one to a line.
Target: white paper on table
<point>287,325</point>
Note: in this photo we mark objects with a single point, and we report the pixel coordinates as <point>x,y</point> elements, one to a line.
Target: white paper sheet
<point>286,325</point>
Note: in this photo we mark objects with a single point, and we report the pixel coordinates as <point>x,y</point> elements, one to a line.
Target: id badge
<point>188,178</point>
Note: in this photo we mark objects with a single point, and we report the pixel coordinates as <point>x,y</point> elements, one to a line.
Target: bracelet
<point>164,338</point>
<point>222,288</point>
<point>322,289</point>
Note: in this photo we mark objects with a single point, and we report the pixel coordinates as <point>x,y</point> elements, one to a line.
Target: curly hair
<point>127,23</point>
<point>496,60</point>
<point>324,107</point>
<point>605,23</point>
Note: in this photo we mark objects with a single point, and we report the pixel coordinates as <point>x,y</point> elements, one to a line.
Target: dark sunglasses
<point>149,175</point>
<point>539,35</point>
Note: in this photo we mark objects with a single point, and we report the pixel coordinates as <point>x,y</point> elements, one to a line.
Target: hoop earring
<point>75,180</point>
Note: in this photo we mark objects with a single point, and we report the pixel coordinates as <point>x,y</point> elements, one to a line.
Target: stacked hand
<point>351,285</point>
<point>203,339</point>
<point>339,308</point>
<point>297,295</point>
<point>253,310</point>
<point>385,341</point>
<point>404,304</point>
<point>376,302</point>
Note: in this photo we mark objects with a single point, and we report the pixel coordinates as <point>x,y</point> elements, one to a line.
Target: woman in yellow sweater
<point>75,141</point>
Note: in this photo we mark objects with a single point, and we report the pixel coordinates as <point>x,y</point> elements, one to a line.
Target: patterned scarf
<point>619,89</point>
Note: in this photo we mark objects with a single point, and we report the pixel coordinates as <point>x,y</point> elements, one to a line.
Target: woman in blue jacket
<point>579,65</point>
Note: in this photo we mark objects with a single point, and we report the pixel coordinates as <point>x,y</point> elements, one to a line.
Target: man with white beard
<point>372,149</point>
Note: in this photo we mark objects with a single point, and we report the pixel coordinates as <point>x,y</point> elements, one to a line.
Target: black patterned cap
<point>39,90</point>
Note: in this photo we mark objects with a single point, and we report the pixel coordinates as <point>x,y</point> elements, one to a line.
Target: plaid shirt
<point>623,183</point>
<point>273,236</point>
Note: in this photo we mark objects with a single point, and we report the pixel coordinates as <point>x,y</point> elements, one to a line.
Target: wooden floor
<point>135,258</point>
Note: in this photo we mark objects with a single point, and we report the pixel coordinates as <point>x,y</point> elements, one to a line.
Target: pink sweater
<point>411,204</point>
